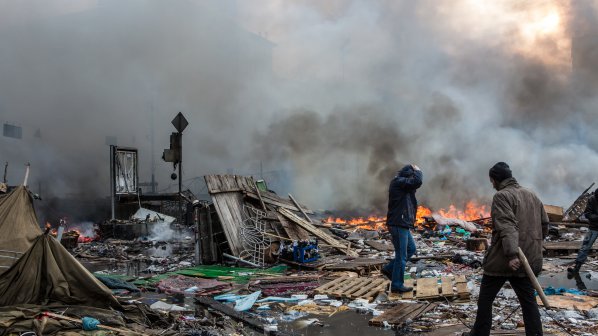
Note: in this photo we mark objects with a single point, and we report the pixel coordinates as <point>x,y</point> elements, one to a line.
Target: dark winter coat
<point>519,220</point>
<point>591,212</point>
<point>402,204</point>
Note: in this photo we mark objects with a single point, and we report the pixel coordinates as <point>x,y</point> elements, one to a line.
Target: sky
<point>328,99</point>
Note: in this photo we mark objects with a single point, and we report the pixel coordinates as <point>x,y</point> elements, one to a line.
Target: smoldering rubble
<point>272,265</point>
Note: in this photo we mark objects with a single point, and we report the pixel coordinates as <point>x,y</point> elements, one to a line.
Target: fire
<point>422,212</point>
<point>369,223</point>
<point>472,211</point>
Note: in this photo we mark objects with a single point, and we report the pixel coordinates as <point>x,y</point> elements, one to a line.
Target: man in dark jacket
<point>591,215</point>
<point>402,208</point>
<point>518,220</point>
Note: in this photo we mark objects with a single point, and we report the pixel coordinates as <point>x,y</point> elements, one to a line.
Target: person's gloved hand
<point>514,264</point>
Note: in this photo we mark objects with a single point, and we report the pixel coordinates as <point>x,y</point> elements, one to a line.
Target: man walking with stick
<point>519,221</point>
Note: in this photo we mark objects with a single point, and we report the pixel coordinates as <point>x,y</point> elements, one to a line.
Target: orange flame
<point>473,210</point>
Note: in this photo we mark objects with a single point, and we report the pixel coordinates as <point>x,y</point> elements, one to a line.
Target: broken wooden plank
<point>238,316</point>
<point>293,231</point>
<point>316,232</point>
<point>397,316</point>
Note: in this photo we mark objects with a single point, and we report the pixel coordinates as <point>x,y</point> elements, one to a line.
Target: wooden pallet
<point>354,287</point>
<point>431,288</point>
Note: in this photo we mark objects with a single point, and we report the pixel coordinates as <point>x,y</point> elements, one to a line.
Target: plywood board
<point>568,301</point>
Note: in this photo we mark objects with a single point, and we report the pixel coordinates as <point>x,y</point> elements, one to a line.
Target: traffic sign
<point>179,122</point>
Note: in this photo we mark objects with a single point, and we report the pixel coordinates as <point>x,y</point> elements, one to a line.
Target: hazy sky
<point>335,96</point>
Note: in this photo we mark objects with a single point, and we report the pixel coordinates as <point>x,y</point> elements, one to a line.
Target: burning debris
<point>282,264</point>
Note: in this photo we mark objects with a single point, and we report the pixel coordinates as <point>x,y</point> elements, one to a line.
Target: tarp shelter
<point>48,274</point>
<point>18,225</point>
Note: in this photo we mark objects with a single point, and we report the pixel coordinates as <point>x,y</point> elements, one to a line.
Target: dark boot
<point>575,269</point>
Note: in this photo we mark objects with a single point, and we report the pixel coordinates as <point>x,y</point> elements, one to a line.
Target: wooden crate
<point>354,287</point>
<point>555,213</point>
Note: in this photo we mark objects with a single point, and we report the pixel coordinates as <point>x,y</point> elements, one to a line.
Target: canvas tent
<point>48,274</point>
<point>18,225</point>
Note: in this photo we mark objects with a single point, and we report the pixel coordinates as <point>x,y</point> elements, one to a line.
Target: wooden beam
<point>277,201</point>
<point>300,209</point>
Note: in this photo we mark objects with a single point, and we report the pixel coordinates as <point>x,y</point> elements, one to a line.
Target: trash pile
<point>284,269</point>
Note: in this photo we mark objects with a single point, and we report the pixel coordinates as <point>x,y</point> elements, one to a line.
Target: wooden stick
<point>300,208</point>
<point>100,326</point>
<point>533,278</point>
<point>259,195</point>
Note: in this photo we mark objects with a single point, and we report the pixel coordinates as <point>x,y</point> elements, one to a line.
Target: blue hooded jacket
<point>402,204</point>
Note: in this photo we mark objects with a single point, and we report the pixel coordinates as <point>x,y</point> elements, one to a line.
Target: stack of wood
<point>286,219</point>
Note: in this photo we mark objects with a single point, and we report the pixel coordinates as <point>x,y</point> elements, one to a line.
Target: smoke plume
<point>339,94</point>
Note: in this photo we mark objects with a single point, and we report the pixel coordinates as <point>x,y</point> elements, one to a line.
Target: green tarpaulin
<point>18,225</point>
<point>47,273</point>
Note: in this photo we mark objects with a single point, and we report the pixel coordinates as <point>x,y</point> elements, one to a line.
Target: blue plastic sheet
<point>559,291</point>
<point>247,302</point>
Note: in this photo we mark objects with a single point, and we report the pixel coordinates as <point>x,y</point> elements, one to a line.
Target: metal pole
<point>197,214</point>
<point>112,187</point>
<point>181,178</point>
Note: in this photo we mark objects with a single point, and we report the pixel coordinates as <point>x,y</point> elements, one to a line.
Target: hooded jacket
<point>402,204</point>
<point>591,211</point>
<point>518,220</point>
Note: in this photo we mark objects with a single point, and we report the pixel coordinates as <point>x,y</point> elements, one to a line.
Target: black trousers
<point>524,289</point>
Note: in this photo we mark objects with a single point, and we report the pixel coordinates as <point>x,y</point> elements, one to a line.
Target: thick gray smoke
<point>339,93</point>
<point>452,88</point>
